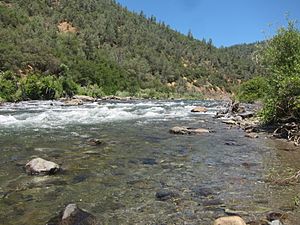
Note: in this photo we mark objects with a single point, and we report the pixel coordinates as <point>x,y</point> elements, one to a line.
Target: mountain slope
<point>99,42</point>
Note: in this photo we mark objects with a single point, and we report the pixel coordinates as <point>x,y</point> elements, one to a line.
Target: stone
<point>246,115</point>
<point>164,195</point>
<point>186,130</point>
<point>229,122</point>
<point>276,222</point>
<point>251,135</point>
<point>230,220</point>
<point>41,166</point>
<point>84,98</point>
<point>72,215</point>
<point>73,102</point>
<point>95,142</point>
<point>199,109</point>
<point>275,216</point>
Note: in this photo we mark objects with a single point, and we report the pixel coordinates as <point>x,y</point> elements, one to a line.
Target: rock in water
<point>230,220</point>
<point>186,130</point>
<point>199,109</point>
<point>72,215</point>
<point>73,102</point>
<point>41,166</point>
<point>84,98</point>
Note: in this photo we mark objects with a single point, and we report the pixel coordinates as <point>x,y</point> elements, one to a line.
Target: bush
<point>8,86</point>
<point>282,60</point>
<point>252,90</point>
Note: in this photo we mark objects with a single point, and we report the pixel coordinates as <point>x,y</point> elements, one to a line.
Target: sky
<point>226,22</point>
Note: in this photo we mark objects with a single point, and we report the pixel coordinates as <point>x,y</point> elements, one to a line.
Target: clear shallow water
<point>117,181</point>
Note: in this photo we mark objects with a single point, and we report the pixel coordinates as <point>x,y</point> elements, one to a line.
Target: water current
<point>117,181</point>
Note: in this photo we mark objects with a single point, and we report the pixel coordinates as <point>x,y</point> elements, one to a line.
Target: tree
<point>281,57</point>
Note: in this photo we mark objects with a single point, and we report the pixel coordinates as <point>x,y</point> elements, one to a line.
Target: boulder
<point>230,220</point>
<point>72,215</point>
<point>187,130</point>
<point>41,166</point>
<point>199,109</point>
<point>73,102</point>
<point>84,98</point>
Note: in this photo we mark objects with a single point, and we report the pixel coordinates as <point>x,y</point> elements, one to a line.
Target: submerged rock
<point>230,220</point>
<point>199,109</point>
<point>186,130</point>
<point>41,166</point>
<point>72,215</point>
<point>95,142</point>
<point>164,195</point>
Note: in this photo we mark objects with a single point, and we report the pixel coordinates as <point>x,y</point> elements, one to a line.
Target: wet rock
<point>276,222</point>
<point>275,216</point>
<point>199,109</point>
<point>112,97</point>
<point>84,98</point>
<point>251,135</point>
<point>73,102</point>
<point>186,130</point>
<point>41,166</point>
<point>231,212</point>
<point>229,122</point>
<point>72,215</point>
<point>149,161</point>
<point>259,222</point>
<point>201,191</point>
<point>164,195</point>
<point>246,115</point>
<point>230,220</point>
<point>213,202</point>
<point>95,142</point>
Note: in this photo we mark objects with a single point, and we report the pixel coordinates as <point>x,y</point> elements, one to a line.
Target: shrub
<point>252,90</point>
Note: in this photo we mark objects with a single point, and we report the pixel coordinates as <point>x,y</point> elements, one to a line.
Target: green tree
<point>282,60</point>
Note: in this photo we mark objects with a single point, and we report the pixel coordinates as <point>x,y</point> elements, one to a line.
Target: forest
<point>57,48</point>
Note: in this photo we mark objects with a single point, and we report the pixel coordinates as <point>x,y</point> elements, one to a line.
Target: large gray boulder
<point>72,215</point>
<point>39,166</point>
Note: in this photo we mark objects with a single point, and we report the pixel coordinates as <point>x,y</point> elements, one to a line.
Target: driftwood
<point>289,180</point>
<point>289,131</point>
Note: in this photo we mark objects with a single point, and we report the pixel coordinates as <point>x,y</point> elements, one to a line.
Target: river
<point>117,181</point>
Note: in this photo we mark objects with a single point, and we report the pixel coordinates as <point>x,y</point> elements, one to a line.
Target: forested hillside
<point>99,47</point>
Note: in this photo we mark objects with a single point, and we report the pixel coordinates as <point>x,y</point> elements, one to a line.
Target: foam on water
<point>46,114</point>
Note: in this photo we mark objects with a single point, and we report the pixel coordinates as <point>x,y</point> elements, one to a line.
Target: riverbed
<point>210,174</point>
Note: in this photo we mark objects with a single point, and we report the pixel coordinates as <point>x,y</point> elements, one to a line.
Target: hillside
<point>101,45</point>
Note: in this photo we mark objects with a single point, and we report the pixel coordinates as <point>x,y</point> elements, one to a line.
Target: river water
<point>117,181</point>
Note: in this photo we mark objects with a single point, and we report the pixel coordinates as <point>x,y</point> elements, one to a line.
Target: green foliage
<point>112,50</point>
<point>8,86</point>
<point>253,90</point>
<point>282,59</point>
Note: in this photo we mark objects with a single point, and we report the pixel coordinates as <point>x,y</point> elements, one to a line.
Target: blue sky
<point>227,22</point>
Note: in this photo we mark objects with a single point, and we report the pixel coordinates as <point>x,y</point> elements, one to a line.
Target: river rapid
<point>117,181</point>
